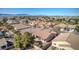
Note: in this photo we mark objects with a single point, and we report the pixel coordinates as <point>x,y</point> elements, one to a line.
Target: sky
<point>42,11</point>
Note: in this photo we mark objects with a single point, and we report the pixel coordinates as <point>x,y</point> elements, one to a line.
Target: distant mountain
<point>14,15</point>
<point>20,15</point>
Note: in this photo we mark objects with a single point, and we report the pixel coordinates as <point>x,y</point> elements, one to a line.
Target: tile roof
<point>62,37</point>
<point>44,33</point>
<point>71,38</point>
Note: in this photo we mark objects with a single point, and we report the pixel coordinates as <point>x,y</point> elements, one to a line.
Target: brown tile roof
<point>42,33</point>
<point>72,38</point>
<point>62,37</point>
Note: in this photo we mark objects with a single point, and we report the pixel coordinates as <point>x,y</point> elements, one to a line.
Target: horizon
<point>42,11</point>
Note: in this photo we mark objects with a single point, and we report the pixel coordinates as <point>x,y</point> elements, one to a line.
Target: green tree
<point>59,20</point>
<point>9,27</point>
<point>1,24</point>
<point>27,38</point>
<point>17,40</point>
<point>26,21</point>
<point>4,21</point>
<point>14,18</point>
<point>76,21</point>
<point>77,28</point>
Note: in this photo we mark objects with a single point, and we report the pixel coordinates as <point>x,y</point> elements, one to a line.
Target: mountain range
<point>14,15</point>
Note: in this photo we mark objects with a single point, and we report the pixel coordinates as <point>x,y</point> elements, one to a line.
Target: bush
<point>77,28</point>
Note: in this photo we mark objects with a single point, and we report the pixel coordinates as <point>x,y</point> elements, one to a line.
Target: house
<point>33,23</point>
<point>41,45</point>
<point>20,26</point>
<point>66,28</point>
<point>59,28</point>
<point>49,24</point>
<point>23,21</point>
<point>66,41</point>
<point>71,28</point>
<point>44,34</point>
<point>12,22</point>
